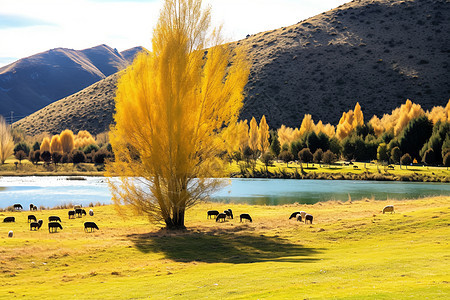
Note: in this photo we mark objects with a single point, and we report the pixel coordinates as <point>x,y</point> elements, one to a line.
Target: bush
<point>78,157</point>
<point>305,156</point>
<point>286,156</point>
<point>22,146</point>
<point>328,157</point>
<point>428,157</point>
<point>20,155</point>
<point>318,155</point>
<point>406,159</point>
<point>46,156</point>
<point>89,148</point>
<point>100,156</point>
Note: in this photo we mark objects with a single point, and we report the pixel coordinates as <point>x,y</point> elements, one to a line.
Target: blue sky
<point>28,27</point>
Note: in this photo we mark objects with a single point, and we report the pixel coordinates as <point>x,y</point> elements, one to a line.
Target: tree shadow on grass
<point>222,246</point>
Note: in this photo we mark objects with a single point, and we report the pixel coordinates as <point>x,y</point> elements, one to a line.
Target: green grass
<point>352,251</point>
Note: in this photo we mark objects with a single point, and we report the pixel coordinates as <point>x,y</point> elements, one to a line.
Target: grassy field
<point>352,251</point>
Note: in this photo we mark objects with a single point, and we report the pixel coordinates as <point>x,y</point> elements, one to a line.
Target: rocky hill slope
<point>376,52</point>
<point>32,83</point>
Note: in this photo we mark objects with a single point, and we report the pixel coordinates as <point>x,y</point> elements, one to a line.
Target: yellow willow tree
<point>55,144</point>
<point>171,107</point>
<point>263,135</point>
<point>6,141</point>
<point>253,141</point>
<point>67,140</point>
<point>45,145</point>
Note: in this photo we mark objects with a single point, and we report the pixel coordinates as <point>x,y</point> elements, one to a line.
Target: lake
<point>52,191</point>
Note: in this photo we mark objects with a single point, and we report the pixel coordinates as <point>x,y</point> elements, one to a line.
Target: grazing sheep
<point>303,214</point>
<point>221,216</point>
<point>36,225</point>
<point>9,219</point>
<point>309,218</point>
<point>389,208</point>
<point>230,213</point>
<point>10,233</point>
<point>91,212</point>
<point>212,213</point>
<point>245,217</point>
<point>53,227</point>
<point>18,207</point>
<point>294,215</point>
<point>299,217</point>
<point>31,207</point>
<point>71,214</point>
<point>91,226</point>
<point>31,218</point>
<point>79,212</point>
<point>54,219</point>
<point>34,207</point>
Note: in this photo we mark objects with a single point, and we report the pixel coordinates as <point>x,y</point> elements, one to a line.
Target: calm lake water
<point>52,191</point>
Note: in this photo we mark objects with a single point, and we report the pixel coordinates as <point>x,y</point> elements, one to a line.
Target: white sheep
<point>389,208</point>
<point>10,234</point>
<point>303,214</point>
<point>91,212</point>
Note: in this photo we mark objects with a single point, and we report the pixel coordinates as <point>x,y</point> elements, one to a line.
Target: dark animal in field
<point>17,207</point>
<point>79,212</point>
<point>212,213</point>
<point>91,212</point>
<point>229,213</point>
<point>54,219</point>
<point>245,217</point>
<point>32,218</point>
<point>389,208</point>
<point>299,217</point>
<point>91,226</point>
<point>71,214</point>
<point>309,218</point>
<point>53,227</point>
<point>36,225</point>
<point>294,215</point>
<point>9,219</point>
<point>10,233</point>
<point>33,207</point>
<point>222,217</point>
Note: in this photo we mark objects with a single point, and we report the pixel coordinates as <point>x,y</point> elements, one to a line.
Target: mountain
<point>375,52</point>
<point>31,83</point>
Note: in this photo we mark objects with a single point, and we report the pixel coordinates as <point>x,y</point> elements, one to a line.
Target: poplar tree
<point>67,140</point>
<point>253,140</point>
<point>6,141</point>
<point>55,144</point>
<point>172,106</point>
<point>263,135</point>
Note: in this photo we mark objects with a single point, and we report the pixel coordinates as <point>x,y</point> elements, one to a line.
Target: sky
<point>29,27</point>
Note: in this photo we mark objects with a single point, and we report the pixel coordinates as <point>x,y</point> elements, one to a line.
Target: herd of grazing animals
<point>54,222</point>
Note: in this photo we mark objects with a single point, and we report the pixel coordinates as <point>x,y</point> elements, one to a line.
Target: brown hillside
<point>378,53</point>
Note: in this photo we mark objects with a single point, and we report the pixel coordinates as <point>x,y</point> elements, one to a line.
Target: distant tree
<point>285,147</point>
<point>100,156</point>
<point>446,145</point>
<point>382,153</point>
<point>253,141</point>
<point>396,154</point>
<point>6,141</point>
<point>267,159</point>
<point>296,147</point>
<point>45,145</point>
<point>275,146</point>
<point>20,155</point>
<point>415,135</point>
<point>324,142</point>
<point>67,141</point>
<point>406,160</point>
<point>248,154</point>
<point>55,144</point>
<point>36,146</point>
<point>447,160</point>
<point>22,146</point>
<point>78,157</point>
<point>429,157</point>
<point>335,146</point>
<point>440,132</point>
<point>56,158</point>
<point>35,156</point>
<point>66,158</point>
<point>46,156</point>
<point>329,157</point>
<point>318,155</point>
<point>286,156</point>
<point>263,135</point>
<point>313,141</point>
<point>89,148</point>
<point>305,156</point>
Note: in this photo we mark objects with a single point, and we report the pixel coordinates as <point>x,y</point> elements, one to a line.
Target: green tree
<point>286,157</point>
<point>440,132</point>
<point>318,155</point>
<point>429,157</point>
<point>78,157</point>
<point>275,146</point>
<point>414,136</point>
<point>382,153</point>
<point>36,146</point>
<point>46,156</point>
<point>22,146</point>
<point>20,155</point>
<point>172,106</point>
<point>267,159</point>
<point>305,156</point>
<point>56,158</point>
<point>447,160</point>
<point>329,157</point>
<point>396,154</point>
<point>406,160</point>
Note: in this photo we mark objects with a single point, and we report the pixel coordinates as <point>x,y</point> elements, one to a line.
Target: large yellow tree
<point>172,105</point>
<point>6,141</point>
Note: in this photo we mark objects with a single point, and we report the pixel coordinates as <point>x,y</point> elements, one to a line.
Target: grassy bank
<point>352,251</point>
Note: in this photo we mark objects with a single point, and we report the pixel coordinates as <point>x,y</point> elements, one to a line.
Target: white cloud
<point>81,24</point>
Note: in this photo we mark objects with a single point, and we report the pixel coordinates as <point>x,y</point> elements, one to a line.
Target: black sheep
<point>309,218</point>
<point>90,225</point>
<point>230,213</point>
<point>32,218</point>
<point>71,214</point>
<point>9,219</point>
<point>221,216</point>
<point>212,213</point>
<point>294,215</point>
<point>79,212</point>
<point>245,217</point>
<point>54,219</point>
<point>36,225</point>
<point>53,227</point>
<point>18,207</point>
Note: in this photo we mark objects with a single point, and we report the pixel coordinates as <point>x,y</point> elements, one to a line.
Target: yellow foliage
<point>285,135</point>
<point>242,135</point>
<point>439,113</point>
<point>82,139</point>
<point>172,106</point>
<point>349,121</point>
<point>6,141</point>
<point>55,144</point>
<point>67,141</point>
<point>253,140</point>
<point>408,111</point>
<point>358,119</point>
<point>263,135</point>
<point>45,145</point>
<point>307,124</point>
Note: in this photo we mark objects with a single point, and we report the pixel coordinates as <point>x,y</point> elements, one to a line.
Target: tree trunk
<point>177,220</point>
